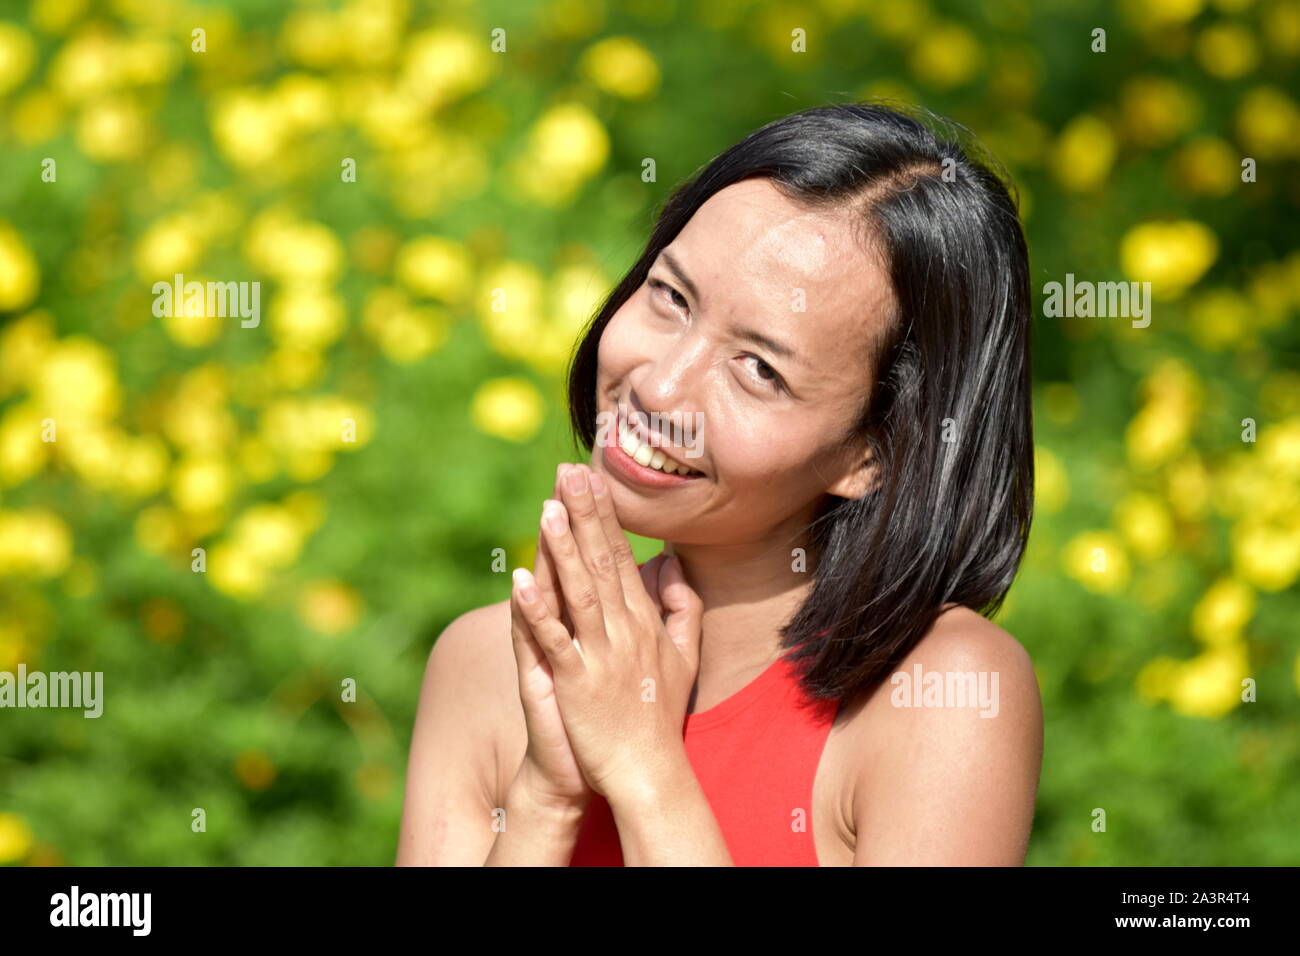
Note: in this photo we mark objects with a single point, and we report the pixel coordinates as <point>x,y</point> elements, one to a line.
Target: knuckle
<point>585,598</point>
<point>604,562</point>
<point>623,556</point>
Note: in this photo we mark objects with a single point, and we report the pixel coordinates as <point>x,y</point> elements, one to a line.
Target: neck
<point>748,591</point>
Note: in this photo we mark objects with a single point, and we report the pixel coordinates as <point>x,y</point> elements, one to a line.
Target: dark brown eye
<point>772,377</point>
<point>656,284</point>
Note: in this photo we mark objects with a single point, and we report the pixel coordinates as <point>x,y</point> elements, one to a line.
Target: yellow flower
<point>17,54</point>
<point>22,452</point>
<point>1156,679</point>
<point>34,542</point>
<point>1279,447</point>
<point>1162,13</point>
<point>621,66</point>
<point>15,838</point>
<point>1269,289</point>
<point>946,55</point>
<point>142,468</point>
<point>87,65</point>
<point>111,129</point>
<point>201,484</point>
<point>1223,612</point>
<point>511,304</point>
<point>1280,26</point>
<point>307,317</point>
<point>77,380</point>
<point>1267,553</point>
<point>1160,429</point>
<point>408,334</point>
<point>1156,110</point>
<point>566,147</point>
<point>24,343</point>
<point>1207,166</point>
<point>158,530</point>
<point>1266,123</point>
<point>1083,153</point>
<point>509,408</point>
<point>247,127</point>
<point>329,607</point>
<point>1145,524</point>
<point>1210,685</point>
<point>56,16</point>
<point>314,38</point>
<point>1189,487</point>
<point>172,244</point>
<point>435,267</point>
<point>292,251</point>
<point>1170,255</point>
<point>305,101</point>
<point>268,534</point>
<point>235,573</point>
<point>1221,318</point>
<point>196,419</point>
<point>444,64</point>
<point>37,117</point>
<point>1098,561</point>
<point>898,19</point>
<point>1226,51</point>
<point>1051,484</point>
<point>20,277</point>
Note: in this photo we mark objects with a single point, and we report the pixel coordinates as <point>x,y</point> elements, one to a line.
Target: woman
<point>836,311</point>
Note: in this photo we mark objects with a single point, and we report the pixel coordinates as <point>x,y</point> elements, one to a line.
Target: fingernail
<point>524,581</point>
<point>576,481</point>
<point>553,516</point>
<point>598,486</point>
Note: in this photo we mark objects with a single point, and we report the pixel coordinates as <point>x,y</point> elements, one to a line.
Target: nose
<point>671,379</point>
<point>667,397</point>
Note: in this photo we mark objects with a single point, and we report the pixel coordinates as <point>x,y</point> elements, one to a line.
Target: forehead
<point>750,250</point>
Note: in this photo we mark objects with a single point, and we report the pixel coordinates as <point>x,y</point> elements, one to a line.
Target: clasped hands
<point>607,653</point>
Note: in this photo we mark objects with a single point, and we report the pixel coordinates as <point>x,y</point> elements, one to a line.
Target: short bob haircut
<point>948,420</point>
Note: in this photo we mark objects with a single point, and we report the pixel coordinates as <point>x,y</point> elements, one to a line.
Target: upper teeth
<point>643,454</point>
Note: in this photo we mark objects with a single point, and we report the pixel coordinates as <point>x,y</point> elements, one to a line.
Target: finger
<point>649,578</point>
<point>553,595</point>
<point>595,548</point>
<point>576,584</point>
<point>562,651</point>
<point>685,610</point>
<point>528,653</point>
<point>544,566</point>
<point>636,594</point>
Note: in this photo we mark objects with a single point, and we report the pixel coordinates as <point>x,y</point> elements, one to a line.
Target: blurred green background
<point>1165,549</point>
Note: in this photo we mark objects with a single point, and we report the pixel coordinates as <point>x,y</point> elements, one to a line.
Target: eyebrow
<point>743,332</point>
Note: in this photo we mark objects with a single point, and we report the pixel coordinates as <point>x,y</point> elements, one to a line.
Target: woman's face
<point>764,422</point>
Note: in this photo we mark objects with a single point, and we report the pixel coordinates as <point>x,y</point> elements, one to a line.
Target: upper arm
<point>953,785</point>
<point>450,777</point>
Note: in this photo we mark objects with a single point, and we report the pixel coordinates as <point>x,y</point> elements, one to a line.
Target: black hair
<point>948,421</point>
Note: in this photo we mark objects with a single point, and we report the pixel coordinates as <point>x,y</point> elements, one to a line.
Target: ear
<point>859,479</point>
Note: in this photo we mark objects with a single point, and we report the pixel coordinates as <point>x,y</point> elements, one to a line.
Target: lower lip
<point>625,466</point>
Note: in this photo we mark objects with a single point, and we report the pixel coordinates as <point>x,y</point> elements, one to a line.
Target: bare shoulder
<point>949,749</point>
<point>451,780</point>
<point>475,661</point>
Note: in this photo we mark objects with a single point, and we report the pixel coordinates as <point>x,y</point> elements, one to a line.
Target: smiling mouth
<point>632,443</point>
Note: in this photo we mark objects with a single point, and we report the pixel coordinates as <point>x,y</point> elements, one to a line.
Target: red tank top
<point>755,756</point>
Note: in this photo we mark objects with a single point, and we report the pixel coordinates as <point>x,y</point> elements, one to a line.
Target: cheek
<point>617,351</point>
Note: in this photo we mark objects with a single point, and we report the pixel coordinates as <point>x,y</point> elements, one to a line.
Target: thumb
<point>684,611</point>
